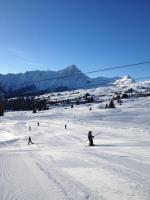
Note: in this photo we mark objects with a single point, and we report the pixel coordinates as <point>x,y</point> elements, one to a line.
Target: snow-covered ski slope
<point>61,166</point>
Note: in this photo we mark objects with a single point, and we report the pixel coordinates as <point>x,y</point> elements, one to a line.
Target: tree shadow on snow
<point>9,142</point>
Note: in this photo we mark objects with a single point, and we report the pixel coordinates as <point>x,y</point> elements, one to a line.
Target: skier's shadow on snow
<point>105,145</point>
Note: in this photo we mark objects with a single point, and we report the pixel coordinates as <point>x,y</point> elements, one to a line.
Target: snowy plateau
<point>61,166</point>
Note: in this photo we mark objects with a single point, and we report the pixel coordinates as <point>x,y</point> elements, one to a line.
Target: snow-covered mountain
<point>126,80</point>
<point>105,81</point>
<point>68,78</point>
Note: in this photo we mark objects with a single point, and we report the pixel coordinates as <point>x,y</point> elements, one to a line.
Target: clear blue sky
<point>93,34</point>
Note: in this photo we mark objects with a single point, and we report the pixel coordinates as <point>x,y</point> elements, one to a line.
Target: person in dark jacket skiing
<point>90,138</point>
<point>30,141</point>
<point>65,126</point>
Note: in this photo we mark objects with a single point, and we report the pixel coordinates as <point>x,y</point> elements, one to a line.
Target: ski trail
<point>21,179</point>
<point>72,188</point>
<point>136,174</point>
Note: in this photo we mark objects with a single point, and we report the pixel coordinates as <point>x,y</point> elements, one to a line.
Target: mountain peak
<point>125,80</point>
<point>72,68</point>
<point>127,77</point>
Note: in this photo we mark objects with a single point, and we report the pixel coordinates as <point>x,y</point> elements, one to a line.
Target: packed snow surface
<point>61,166</point>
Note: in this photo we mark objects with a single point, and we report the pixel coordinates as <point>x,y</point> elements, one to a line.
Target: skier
<point>30,141</point>
<point>38,123</point>
<point>29,128</point>
<point>65,126</point>
<point>90,138</point>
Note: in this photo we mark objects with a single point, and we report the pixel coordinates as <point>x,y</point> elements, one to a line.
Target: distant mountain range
<point>36,82</point>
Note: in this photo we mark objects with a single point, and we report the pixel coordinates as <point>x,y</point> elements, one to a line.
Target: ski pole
<point>97,134</point>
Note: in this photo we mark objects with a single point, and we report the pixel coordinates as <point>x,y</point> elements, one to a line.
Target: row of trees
<point>18,104</point>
